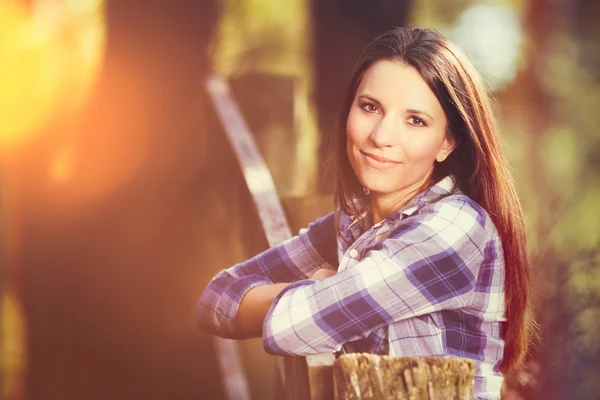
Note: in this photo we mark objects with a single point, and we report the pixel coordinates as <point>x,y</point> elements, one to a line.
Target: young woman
<point>425,253</point>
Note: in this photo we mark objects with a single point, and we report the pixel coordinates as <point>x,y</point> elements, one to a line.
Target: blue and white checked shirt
<point>426,281</point>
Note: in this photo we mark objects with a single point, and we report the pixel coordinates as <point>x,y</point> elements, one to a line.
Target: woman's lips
<point>377,162</point>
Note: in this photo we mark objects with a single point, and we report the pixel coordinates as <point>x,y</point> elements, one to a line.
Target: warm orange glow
<point>50,56</point>
<point>12,346</point>
<point>62,165</point>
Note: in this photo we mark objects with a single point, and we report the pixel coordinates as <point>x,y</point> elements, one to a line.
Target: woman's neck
<point>385,204</point>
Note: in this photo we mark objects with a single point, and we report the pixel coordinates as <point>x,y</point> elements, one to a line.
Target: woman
<point>425,253</point>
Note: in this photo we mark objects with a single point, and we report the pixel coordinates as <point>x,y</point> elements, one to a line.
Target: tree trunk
<point>367,376</point>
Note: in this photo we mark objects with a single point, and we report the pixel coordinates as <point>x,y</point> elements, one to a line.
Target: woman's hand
<point>323,273</point>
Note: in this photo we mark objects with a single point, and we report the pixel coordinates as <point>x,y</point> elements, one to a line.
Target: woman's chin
<point>379,187</point>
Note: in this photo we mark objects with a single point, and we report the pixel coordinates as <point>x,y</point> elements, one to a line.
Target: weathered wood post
<point>362,376</point>
<point>369,376</point>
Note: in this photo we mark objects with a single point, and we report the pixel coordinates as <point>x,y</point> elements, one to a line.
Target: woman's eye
<point>416,121</point>
<point>370,108</point>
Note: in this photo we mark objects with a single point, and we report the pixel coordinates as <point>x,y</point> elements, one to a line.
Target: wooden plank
<point>261,187</point>
<point>320,376</point>
<point>309,372</point>
<point>255,171</point>
<point>234,379</point>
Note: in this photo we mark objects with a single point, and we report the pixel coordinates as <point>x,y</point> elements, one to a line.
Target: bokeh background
<point>120,196</point>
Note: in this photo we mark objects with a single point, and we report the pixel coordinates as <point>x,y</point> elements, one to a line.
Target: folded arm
<point>254,284</point>
<point>430,262</point>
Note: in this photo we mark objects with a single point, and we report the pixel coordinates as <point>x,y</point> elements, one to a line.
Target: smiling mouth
<point>379,162</point>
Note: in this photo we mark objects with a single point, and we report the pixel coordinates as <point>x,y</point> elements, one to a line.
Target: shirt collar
<point>442,188</point>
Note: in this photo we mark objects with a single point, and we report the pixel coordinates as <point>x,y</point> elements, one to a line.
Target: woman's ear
<point>447,148</point>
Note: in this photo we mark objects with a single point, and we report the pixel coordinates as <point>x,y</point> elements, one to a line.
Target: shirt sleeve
<point>429,262</point>
<point>293,260</point>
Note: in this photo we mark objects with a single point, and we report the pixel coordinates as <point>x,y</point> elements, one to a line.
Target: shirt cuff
<point>228,299</point>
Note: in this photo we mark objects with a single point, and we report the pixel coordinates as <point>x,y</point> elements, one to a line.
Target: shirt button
<point>353,253</point>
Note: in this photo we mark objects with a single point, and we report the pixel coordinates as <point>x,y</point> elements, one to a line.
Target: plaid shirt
<point>426,281</point>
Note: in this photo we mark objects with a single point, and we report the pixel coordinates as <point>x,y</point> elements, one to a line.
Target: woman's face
<point>396,129</point>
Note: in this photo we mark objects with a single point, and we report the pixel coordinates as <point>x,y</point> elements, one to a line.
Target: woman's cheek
<point>419,148</point>
<point>358,126</point>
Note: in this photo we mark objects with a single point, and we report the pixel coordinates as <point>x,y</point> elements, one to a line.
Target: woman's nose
<point>384,133</point>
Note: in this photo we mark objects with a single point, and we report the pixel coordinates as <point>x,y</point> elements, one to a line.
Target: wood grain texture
<point>362,376</point>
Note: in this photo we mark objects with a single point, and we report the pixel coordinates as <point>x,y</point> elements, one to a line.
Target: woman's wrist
<point>254,307</point>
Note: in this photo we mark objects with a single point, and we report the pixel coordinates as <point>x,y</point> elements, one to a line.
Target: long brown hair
<point>481,170</point>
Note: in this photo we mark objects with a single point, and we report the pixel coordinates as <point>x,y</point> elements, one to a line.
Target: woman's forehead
<point>396,83</point>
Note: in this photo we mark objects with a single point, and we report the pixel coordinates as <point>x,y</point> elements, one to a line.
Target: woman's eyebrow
<point>371,99</point>
<point>413,111</point>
